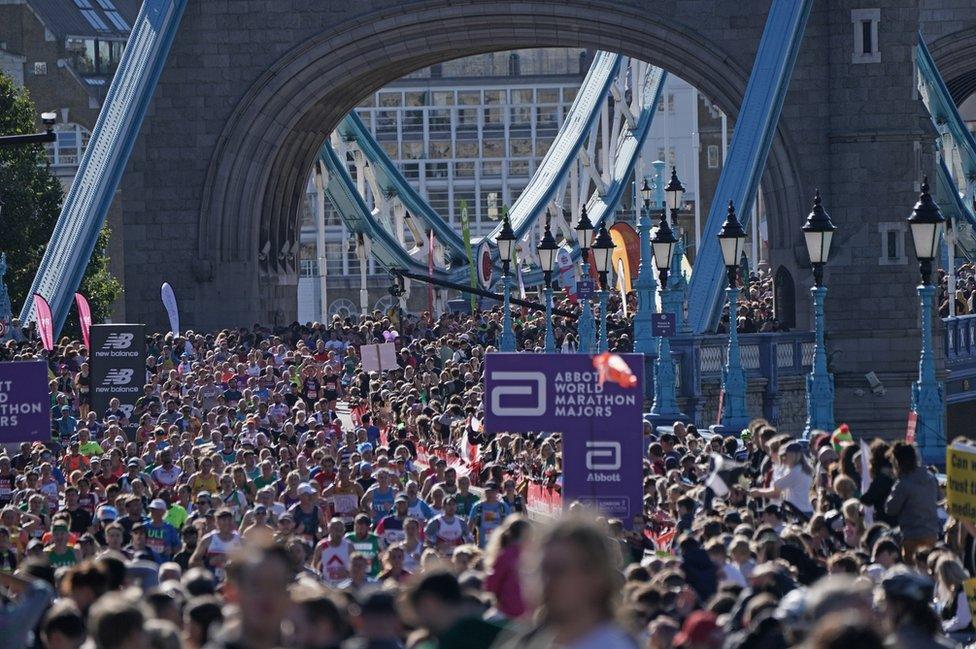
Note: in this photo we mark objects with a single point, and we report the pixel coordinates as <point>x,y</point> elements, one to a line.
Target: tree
<point>30,202</point>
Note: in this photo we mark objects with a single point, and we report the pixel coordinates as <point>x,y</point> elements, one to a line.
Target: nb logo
<point>603,456</point>
<point>118,341</point>
<point>531,383</point>
<point>119,377</point>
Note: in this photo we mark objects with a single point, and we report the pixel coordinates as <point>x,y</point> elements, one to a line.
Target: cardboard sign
<point>961,481</point>
<point>379,358</point>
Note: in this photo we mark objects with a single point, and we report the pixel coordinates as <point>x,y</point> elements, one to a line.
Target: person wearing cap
<point>488,514</point>
<point>700,631</point>
<point>907,611</point>
<point>792,483</point>
<point>307,513</point>
<point>59,553</point>
<point>215,547</point>
<point>161,537</point>
<point>366,543</point>
<point>66,424</point>
<point>390,528</point>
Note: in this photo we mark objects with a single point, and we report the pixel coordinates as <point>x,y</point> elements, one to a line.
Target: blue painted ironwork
<point>550,339</point>
<point>956,168</point>
<point>587,324</point>
<point>735,417</point>
<point>820,383</point>
<point>506,342</point>
<point>700,360</point>
<point>391,181</point>
<point>550,174</point>
<point>93,188</point>
<point>603,344</point>
<point>341,191</point>
<point>928,400</point>
<point>754,128</point>
<point>645,286</point>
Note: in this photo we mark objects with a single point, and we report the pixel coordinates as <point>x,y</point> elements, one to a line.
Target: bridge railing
<point>960,339</point>
<point>699,359</point>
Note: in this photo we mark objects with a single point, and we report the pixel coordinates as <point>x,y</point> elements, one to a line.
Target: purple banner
<point>601,426</point>
<point>25,403</point>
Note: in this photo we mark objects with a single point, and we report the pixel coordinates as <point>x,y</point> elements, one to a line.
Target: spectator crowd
<point>266,491</point>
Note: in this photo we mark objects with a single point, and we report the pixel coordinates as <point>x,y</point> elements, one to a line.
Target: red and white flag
<point>84,318</point>
<point>45,323</point>
<point>613,368</point>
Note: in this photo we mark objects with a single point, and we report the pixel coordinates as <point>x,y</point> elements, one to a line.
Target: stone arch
<point>955,56</point>
<point>258,169</point>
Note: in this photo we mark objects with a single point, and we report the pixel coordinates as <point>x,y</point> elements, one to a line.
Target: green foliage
<point>31,197</point>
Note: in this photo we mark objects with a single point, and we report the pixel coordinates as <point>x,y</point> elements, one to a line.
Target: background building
<point>472,131</point>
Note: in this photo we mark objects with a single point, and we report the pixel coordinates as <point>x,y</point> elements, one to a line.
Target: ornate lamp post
<point>665,405</point>
<point>818,232</point>
<point>928,402</point>
<point>734,415</point>
<point>644,285</point>
<point>506,247</point>
<point>602,252</point>
<point>584,237</point>
<point>672,298</point>
<point>547,249</point>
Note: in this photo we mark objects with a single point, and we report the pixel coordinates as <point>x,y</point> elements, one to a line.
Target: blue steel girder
<point>93,188</point>
<point>751,140</point>
<point>631,141</point>
<point>956,172</point>
<point>341,190</point>
<point>392,181</point>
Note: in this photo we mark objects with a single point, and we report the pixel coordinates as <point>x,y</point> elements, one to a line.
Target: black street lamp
<point>547,250</point>
<point>818,232</point>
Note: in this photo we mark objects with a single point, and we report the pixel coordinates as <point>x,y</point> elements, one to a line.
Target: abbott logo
<point>119,377</point>
<point>118,341</point>
<point>603,456</point>
<point>531,382</point>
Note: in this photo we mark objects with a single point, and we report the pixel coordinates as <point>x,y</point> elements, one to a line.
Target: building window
<point>309,268</point>
<point>892,243</point>
<point>867,49</point>
<point>712,154</point>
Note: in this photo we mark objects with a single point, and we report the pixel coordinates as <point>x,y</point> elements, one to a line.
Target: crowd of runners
<point>265,491</point>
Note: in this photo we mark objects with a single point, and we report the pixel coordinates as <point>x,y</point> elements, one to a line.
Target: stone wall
<point>252,89</point>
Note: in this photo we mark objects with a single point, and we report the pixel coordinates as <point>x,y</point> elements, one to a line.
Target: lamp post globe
<point>928,400</point>
<point>662,243</point>
<point>584,238</point>
<point>547,250</point>
<point>646,191</point>
<point>674,191</point>
<point>818,233</point>
<point>731,239</point>
<point>602,254</point>
<point>506,248</point>
<point>927,224</point>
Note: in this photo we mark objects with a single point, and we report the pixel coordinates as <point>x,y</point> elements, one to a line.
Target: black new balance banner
<point>118,365</point>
